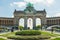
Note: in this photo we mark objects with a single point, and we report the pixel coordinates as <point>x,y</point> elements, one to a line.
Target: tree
<point>38,27</point>
<point>21,27</point>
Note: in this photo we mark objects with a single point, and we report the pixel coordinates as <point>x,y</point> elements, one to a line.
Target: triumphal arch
<point>30,12</point>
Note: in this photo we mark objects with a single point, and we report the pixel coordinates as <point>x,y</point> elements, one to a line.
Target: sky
<point>52,7</point>
<point>7,7</point>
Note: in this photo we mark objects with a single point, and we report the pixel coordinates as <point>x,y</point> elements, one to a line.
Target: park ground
<point>43,32</point>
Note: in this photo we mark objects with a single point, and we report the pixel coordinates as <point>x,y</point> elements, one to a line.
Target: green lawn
<point>56,39</point>
<point>8,34</point>
<point>42,33</point>
<point>2,39</point>
<point>49,34</point>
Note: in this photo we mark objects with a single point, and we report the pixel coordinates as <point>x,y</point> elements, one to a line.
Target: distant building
<point>53,21</point>
<point>5,22</point>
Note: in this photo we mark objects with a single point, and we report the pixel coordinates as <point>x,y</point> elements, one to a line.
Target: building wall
<point>6,21</point>
<point>10,21</point>
<point>53,21</point>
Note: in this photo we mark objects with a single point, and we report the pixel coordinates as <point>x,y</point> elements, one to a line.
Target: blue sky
<point>7,7</point>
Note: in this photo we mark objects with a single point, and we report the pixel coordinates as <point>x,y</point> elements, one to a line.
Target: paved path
<point>3,37</point>
<point>8,32</point>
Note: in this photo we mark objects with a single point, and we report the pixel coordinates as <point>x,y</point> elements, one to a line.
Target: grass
<point>2,39</point>
<point>42,33</point>
<point>49,34</point>
<point>37,37</point>
<point>56,39</point>
<point>8,34</point>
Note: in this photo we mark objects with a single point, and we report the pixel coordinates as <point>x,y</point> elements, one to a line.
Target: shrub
<point>29,37</point>
<point>38,27</point>
<point>28,32</point>
<point>21,27</point>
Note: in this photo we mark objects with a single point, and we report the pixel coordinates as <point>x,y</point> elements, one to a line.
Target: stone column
<point>43,22</point>
<point>25,23</point>
<point>16,22</point>
<point>34,23</point>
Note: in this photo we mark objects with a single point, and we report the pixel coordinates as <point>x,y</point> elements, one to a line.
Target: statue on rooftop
<point>29,5</point>
<point>29,8</point>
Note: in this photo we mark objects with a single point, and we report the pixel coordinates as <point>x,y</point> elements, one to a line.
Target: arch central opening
<point>30,23</point>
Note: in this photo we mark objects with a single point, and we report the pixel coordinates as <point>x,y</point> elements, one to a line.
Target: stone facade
<point>10,21</point>
<point>53,21</point>
<point>30,12</point>
<point>17,16</point>
<point>6,22</point>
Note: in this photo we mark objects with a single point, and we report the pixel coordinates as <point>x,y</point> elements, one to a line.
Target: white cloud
<point>57,14</point>
<point>33,1</point>
<point>12,16</point>
<point>47,16</point>
<point>11,4</point>
<point>21,4</point>
<point>50,1</point>
<point>46,2</point>
<point>18,4</point>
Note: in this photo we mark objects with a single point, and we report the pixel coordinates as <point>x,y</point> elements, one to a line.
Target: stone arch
<point>26,14</point>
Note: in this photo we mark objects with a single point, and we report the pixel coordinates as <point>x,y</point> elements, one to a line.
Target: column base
<point>34,28</point>
<point>25,28</point>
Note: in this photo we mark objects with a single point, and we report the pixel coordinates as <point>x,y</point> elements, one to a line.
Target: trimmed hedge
<point>29,37</point>
<point>28,32</point>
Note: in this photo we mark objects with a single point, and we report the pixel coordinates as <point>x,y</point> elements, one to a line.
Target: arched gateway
<point>30,12</point>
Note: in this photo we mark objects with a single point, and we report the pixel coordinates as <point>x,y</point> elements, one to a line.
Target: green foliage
<point>2,39</point>
<point>28,32</point>
<point>38,27</point>
<point>21,27</point>
<point>36,37</point>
